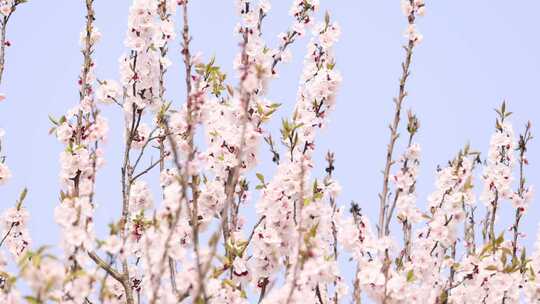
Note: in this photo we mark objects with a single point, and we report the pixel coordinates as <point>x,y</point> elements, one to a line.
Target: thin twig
<point>383,196</point>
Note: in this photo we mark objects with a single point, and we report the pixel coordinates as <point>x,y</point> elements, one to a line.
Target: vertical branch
<point>299,261</point>
<point>85,91</point>
<point>357,291</point>
<point>194,221</point>
<point>4,19</point>
<point>414,38</point>
<point>469,230</point>
<point>13,225</point>
<point>499,169</point>
<point>412,127</point>
<point>186,39</point>
<point>164,16</point>
<point>131,131</point>
<point>522,197</point>
<point>492,217</point>
<point>126,172</point>
<point>452,268</point>
<point>234,174</point>
<point>3,24</point>
<point>329,170</point>
<point>186,179</point>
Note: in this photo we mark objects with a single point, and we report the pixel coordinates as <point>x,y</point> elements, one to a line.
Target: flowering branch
<point>522,198</point>
<point>411,9</point>
<point>406,178</point>
<point>15,222</point>
<point>7,8</point>
<point>105,266</point>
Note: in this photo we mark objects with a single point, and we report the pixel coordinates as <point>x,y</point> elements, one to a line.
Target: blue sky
<point>474,55</point>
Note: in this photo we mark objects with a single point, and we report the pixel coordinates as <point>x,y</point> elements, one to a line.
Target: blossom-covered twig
<point>7,8</point>
<point>522,198</point>
<point>411,8</point>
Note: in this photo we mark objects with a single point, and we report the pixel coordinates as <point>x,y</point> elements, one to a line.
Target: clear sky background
<point>475,54</point>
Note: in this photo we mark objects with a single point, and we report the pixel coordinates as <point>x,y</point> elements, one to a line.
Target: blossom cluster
<point>80,130</point>
<point>7,6</point>
<point>405,182</point>
<point>411,9</point>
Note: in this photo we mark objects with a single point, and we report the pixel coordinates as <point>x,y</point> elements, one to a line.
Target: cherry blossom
<point>5,173</point>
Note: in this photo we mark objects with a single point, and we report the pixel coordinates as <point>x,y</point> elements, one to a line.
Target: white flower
<point>265,6</point>
<point>406,7</point>
<point>108,91</point>
<point>141,136</point>
<point>6,7</point>
<point>330,35</point>
<point>95,36</point>
<point>140,197</point>
<point>64,132</point>
<point>15,216</point>
<point>239,267</point>
<point>112,244</point>
<point>5,173</point>
<point>413,35</point>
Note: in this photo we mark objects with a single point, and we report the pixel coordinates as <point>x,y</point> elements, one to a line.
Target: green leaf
<point>200,300</point>
<point>260,177</point>
<point>229,282</point>
<point>327,18</point>
<point>410,276</point>
<point>500,239</point>
<point>22,196</point>
<point>269,113</point>
<point>54,122</point>
<point>243,294</point>
<point>331,66</point>
<point>313,230</point>
<point>492,268</point>
<point>523,256</point>
<point>32,300</point>
<point>73,275</point>
<point>443,298</point>
<point>260,109</point>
